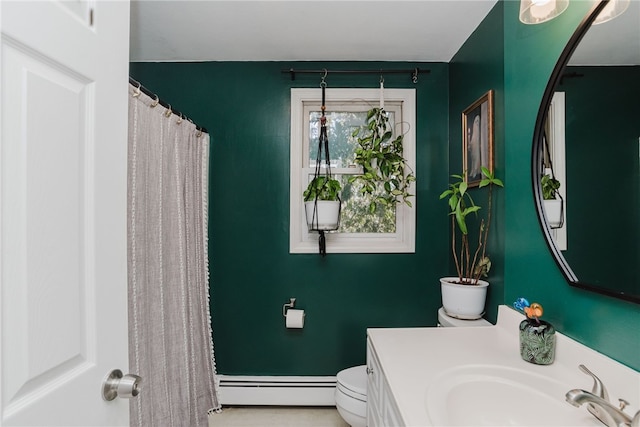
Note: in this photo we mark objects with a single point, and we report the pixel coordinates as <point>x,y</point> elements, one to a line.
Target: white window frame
<point>300,239</point>
<point>556,139</point>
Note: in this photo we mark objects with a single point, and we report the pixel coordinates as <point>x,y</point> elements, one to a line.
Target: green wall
<point>245,107</point>
<point>602,130</point>
<point>605,324</point>
<point>474,70</point>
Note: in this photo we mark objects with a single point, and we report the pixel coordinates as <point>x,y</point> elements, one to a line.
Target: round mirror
<point>586,154</point>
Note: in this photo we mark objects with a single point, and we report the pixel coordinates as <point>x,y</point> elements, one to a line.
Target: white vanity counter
<point>457,376</point>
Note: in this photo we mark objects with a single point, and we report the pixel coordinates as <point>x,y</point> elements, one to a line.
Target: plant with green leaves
<point>323,188</point>
<point>549,186</point>
<point>470,265</point>
<point>380,155</point>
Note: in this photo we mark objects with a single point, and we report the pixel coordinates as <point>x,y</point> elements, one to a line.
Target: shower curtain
<point>170,340</point>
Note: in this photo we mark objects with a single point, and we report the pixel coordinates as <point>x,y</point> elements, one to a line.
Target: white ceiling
<point>302,30</point>
<point>342,30</point>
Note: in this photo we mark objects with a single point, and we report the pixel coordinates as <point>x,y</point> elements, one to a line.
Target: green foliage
<point>380,156</point>
<point>355,216</point>
<point>549,186</point>
<point>324,188</point>
<point>461,205</point>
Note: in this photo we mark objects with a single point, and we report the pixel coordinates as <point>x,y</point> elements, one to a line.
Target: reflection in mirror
<point>598,76</point>
<point>552,173</point>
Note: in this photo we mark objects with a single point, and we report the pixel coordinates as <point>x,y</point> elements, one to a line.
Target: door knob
<point>117,385</point>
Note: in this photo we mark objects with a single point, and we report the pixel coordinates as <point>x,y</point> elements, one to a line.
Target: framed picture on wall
<point>477,138</point>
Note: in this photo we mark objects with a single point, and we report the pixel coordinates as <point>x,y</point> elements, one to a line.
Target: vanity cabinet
<point>382,410</point>
<point>476,376</point>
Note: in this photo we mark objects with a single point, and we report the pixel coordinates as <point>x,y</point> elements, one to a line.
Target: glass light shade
<point>539,11</point>
<point>613,9</point>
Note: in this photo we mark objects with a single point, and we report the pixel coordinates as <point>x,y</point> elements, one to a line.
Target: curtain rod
<point>413,72</point>
<point>570,76</point>
<point>163,103</point>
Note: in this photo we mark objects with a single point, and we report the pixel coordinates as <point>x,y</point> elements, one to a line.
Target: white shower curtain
<point>170,342</point>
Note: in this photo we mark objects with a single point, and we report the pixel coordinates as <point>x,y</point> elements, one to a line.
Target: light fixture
<point>613,9</point>
<point>538,11</point>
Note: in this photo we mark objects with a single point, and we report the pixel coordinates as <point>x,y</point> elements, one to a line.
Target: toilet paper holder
<point>288,305</point>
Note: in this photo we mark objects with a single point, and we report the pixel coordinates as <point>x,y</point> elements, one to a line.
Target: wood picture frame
<point>477,139</point>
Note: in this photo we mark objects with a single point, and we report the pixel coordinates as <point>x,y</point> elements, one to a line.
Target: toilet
<point>351,383</point>
<point>351,395</point>
<point>448,321</point>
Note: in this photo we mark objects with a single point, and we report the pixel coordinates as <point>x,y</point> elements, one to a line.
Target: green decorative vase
<point>537,341</point>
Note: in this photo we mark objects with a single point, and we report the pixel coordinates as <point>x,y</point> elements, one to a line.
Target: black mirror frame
<point>537,151</point>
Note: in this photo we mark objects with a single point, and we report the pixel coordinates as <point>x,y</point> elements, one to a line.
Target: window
<point>555,129</point>
<point>387,230</point>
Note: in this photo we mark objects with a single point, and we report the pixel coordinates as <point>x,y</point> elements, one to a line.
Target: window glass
<point>388,228</point>
<point>355,216</point>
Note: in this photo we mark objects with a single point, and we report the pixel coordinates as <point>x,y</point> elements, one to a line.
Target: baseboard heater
<point>277,390</point>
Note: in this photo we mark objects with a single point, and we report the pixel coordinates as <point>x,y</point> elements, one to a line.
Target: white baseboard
<point>277,390</point>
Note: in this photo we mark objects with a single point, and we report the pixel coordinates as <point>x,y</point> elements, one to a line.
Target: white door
<point>63,162</point>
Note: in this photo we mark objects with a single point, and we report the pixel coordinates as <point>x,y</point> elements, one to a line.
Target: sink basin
<point>490,395</point>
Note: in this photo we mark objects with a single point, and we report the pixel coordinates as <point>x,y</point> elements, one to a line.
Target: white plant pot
<point>463,301</point>
<point>326,214</point>
<point>553,212</point>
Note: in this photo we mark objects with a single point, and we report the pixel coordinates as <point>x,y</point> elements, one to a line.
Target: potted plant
<point>553,203</point>
<point>322,203</point>
<point>383,165</point>
<point>464,296</point>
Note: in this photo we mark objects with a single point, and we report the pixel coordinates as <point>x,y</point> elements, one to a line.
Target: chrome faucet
<point>599,406</point>
<point>598,387</point>
<point>603,410</point>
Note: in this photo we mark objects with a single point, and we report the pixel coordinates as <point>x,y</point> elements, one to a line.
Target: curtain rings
<point>179,119</point>
<point>155,102</point>
<point>168,112</point>
<point>137,91</point>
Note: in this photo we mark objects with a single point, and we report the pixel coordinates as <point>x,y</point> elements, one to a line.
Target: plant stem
<point>453,246</point>
<point>476,276</point>
<point>485,236</point>
<point>464,251</point>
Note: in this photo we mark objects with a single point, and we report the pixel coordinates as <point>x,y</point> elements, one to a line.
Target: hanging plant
<point>322,188</point>
<point>322,202</point>
<point>549,186</point>
<point>552,200</point>
<point>380,156</point>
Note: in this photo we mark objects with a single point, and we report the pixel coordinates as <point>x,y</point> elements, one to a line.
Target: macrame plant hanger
<point>323,147</point>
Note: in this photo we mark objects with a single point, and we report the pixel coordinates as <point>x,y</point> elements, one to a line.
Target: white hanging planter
<point>463,301</point>
<point>553,212</point>
<point>324,217</point>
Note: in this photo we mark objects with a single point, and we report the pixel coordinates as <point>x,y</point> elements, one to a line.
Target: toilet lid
<point>354,379</point>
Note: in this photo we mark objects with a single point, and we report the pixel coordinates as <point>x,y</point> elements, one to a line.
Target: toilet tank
<point>448,321</point>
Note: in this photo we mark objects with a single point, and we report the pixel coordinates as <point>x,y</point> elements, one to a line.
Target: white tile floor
<point>276,416</point>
